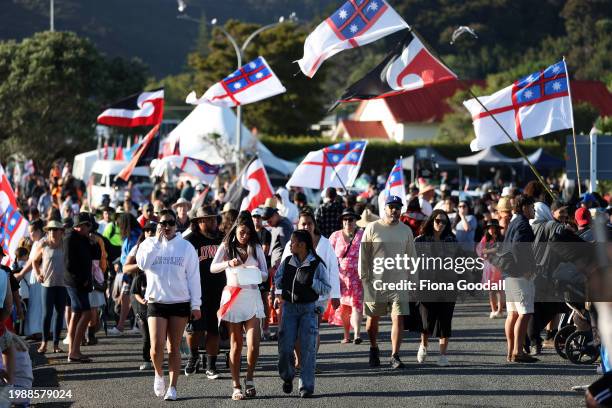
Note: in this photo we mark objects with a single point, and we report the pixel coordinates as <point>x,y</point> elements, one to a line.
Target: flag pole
<point>569,92</point>
<point>514,143</point>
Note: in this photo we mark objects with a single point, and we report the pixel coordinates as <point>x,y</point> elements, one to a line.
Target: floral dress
<point>351,291</point>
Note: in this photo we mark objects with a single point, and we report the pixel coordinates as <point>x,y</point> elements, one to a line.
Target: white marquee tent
<point>194,136</point>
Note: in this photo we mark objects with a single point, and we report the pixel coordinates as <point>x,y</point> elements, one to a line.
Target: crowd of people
<point>180,263</point>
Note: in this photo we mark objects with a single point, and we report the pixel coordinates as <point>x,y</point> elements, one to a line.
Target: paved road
<point>478,377</point>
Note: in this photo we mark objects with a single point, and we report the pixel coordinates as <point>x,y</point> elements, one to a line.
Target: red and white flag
<point>252,82</point>
<point>13,226</point>
<point>255,180</point>
<point>146,152</point>
<point>408,67</point>
<point>144,109</point>
<point>334,166</point>
<point>356,23</point>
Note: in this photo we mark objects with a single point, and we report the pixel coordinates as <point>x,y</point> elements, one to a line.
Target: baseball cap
<point>257,212</point>
<point>268,212</point>
<point>394,200</point>
<point>583,217</point>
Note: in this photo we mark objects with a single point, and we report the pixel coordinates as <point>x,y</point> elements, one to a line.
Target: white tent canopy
<point>488,156</point>
<point>194,136</point>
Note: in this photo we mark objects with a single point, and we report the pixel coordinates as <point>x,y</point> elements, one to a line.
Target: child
<point>19,373</point>
<point>300,279</point>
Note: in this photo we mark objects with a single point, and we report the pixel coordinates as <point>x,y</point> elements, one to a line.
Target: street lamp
<point>239,56</point>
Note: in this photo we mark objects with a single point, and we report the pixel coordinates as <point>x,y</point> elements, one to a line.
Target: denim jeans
<point>53,298</point>
<point>299,320</point>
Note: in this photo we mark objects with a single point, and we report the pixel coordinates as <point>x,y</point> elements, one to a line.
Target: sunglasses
<point>168,223</point>
<point>440,221</point>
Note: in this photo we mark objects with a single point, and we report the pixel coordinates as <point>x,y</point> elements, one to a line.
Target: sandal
<point>57,350</point>
<point>41,349</point>
<point>358,340</point>
<point>345,341</point>
<point>237,395</point>
<point>249,388</point>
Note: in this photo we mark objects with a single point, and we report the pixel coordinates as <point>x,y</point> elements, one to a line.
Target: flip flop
<point>82,359</point>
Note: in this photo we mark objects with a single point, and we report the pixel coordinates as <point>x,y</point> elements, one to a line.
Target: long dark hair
<point>127,223</point>
<point>231,243</point>
<point>303,235</point>
<point>427,227</point>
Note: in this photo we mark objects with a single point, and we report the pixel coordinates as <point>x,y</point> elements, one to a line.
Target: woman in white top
<point>33,319</point>
<point>241,305</point>
<point>173,293</point>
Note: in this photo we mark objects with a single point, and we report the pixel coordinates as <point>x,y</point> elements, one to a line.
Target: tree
<point>46,95</point>
<point>290,113</point>
<point>52,87</point>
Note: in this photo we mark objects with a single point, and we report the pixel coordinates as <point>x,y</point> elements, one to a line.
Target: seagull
<point>459,31</point>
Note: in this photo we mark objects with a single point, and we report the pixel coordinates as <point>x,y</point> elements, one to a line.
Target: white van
<point>102,181</point>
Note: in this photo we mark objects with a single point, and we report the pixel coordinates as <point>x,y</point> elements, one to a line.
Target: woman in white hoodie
<point>285,207</point>
<point>173,294</point>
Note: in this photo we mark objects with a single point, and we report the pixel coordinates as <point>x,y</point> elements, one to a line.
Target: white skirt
<point>247,305</point>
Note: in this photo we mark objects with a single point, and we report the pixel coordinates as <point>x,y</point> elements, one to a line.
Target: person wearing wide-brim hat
<point>367,216</point>
<point>182,207</point>
<point>205,238</point>
<point>346,243</point>
<point>349,213</point>
<point>227,207</point>
<point>51,276</point>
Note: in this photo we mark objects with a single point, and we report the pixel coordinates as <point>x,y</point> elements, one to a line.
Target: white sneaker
<point>422,354</point>
<point>159,385</point>
<point>66,341</point>
<point>492,315</point>
<point>133,330</point>
<point>145,366</point>
<point>115,332</point>
<point>170,394</point>
<point>443,361</point>
<point>499,315</point>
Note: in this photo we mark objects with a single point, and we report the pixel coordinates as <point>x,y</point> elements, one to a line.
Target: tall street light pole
<point>239,55</point>
<point>51,16</point>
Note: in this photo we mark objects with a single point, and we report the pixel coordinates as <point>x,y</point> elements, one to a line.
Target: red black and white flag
<point>408,67</point>
<point>144,109</point>
<point>144,155</point>
<point>251,188</point>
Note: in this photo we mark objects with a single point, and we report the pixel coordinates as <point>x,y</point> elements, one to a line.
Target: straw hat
<point>367,217</point>
<point>54,224</point>
<point>270,202</point>
<point>228,207</point>
<point>504,204</point>
<point>426,188</point>
<point>203,212</point>
<point>182,202</point>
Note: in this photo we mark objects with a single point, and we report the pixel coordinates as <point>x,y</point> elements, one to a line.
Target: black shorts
<point>209,321</point>
<point>437,318</point>
<point>168,310</point>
